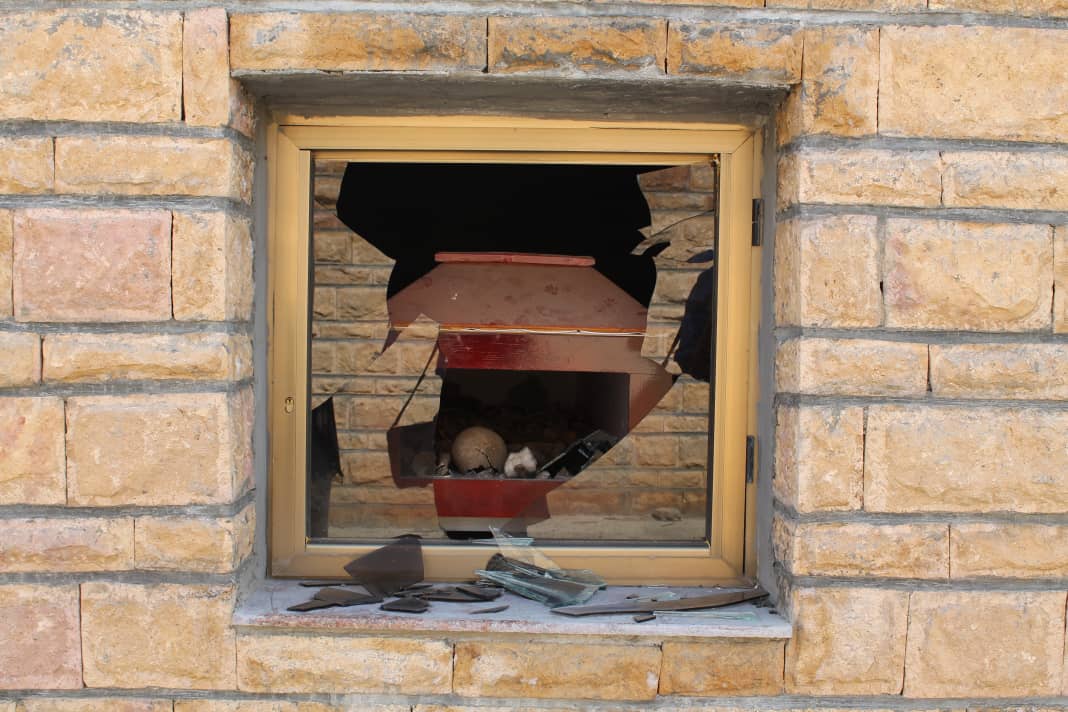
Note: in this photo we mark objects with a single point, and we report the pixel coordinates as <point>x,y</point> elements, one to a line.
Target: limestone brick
<point>853,5</point>
<point>32,467</point>
<point>158,635</point>
<point>820,366</point>
<point>965,459</point>
<point>103,65</point>
<point>656,451</point>
<point>847,641</point>
<point>260,704</point>
<point>356,42</point>
<point>92,704</point>
<point>1060,279</point>
<point>1030,371</point>
<point>876,550</point>
<point>25,165</point>
<point>20,352</point>
<point>827,272</point>
<point>149,450</point>
<point>596,45</point>
<point>210,97</point>
<point>1001,179</point>
<point>317,663</point>
<point>153,165</point>
<point>942,274</point>
<point>722,667</point>
<point>1021,8</point>
<point>92,265</point>
<point>6,247</point>
<point>212,267</point>
<point>117,357</point>
<point>972,82</point>
<point>66,544</point>
<point>861,177</point>
<point>39,625</point>
<point>758,53</point>
<point>241,409</point>
<point>839,88</point>
<point>1013,550</point>
<point>194,544</point>
<point>819,457</point>
<point>534,670</point>
<point>985,644</point>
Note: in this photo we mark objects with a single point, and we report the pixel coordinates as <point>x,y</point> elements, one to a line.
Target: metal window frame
<point>294,141</point>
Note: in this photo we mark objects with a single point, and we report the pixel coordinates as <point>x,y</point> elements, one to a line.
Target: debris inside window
<point>515,346</point>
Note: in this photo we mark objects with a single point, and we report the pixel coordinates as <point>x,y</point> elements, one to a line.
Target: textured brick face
<point>6,246</point>
<point>1024,181</point>
<point>32,469</point>
<point>968,276</point>
<point>851,367</point>
<point>103,65</point>
<point>39,627</point>
<point>819,457</point>
<point>21,355</point>
<point>212,277</point>
<point>355,41</point>
<point>149,449</point>
<point>761,53</point>
<point>938,459</point>
<point>989,644</point>
<point>92,265</point>
<point>586,45</point>
<point>722,667</point>
<point>84,544</point>
<point>25,165</point>
<point>163,635</point>
<point>973,82</point>
<point>861,177</point>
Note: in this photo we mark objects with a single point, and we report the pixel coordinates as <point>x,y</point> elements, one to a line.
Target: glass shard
<point>390,568</point>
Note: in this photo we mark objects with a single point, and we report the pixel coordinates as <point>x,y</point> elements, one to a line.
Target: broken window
<point>541,326</point>
<point>520,346</point>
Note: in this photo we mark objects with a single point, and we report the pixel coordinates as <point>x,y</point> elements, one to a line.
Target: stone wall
<point>920,501</point>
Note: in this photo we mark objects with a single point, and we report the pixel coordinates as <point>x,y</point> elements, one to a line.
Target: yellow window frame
<point>295,141</point>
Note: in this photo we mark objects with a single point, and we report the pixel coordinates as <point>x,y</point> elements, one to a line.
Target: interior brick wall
<point>920,492</point>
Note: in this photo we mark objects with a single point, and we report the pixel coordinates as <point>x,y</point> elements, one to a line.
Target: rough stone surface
<point>861,177</point>
<point>194,544</point>
<point>875,550</point>
<point>722,667</point>
<point>357,42</point>
<point>1060,279</point>
<point>39,625</point>
<point>1015,550</point>
<point>847,641</point>
<point>961,459</point>
<point>588,45</point>
<point>210,97</point>
<point>20,353</point>
<point>942,274</point>
<point>274,705</point>
<point>6,247</point>
<point>158,635</point>
<point>92,704</point>
<point>827,272</point>
<point>92,265</point>
<point>131,357</point>
<point>1033,371</point>
<point>839,87</point>
<point>1025,8</point>
<point>212,267</point>
<point>819,458</point>
<point>985,644</point>
<point>973,82</point>
<point>149,449</point>
<point>32,469</point>
<point>854,5</point>
<point>153,165</point>
<point>1001,179</point>
<point>103,65</point>
<point>25,165</point>
<point>759,53</point>
<point>534,670</point>
<point>63,544</point>
<point>851,367</point>
<point>287,663</point>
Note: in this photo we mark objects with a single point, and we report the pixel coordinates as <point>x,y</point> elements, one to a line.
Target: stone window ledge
<point>265,609</point>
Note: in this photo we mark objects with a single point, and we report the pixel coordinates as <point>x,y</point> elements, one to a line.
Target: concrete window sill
<point>265,609</point>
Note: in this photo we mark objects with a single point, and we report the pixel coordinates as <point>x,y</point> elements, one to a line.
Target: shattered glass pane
<point>525,347</point>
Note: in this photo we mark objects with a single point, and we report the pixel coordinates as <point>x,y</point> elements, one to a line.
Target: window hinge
<point>758,222</point>
<point>750,452</point>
